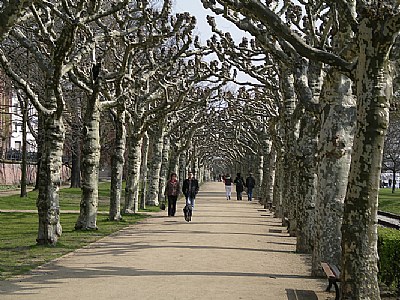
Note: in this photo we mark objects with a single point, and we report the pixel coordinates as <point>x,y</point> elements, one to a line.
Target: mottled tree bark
<point>309,78</point>
<point>269,175</point>
<point>307,183</point>
<point>164,169</point>
<point>11,13</point>
<point>359,228</point>
<point>90,165</point>
<point>76,128</point>
<point>76,163</point>
<point>335,142</point>
<point>155,166</point>
<point>48,202</point>
<point>259,176</point>
<point>173,159</point>
<point>278,183</point>
<point>289,198</point>
<point>143,170</point>
<point>117,167</point>
<point>132,181</point>
<point>264,149</point>
<point>182,165</point>
<point>24,108</point>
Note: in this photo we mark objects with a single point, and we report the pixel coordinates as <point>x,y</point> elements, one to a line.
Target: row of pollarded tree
<point>328,65</point>
<point>75,61</point>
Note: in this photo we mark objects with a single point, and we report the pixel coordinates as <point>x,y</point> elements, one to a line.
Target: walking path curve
<point>230,250</point>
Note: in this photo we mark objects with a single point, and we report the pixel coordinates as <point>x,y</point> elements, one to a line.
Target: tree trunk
<point>76,166</point>
<point>143,170</point>
<point>40,143</point>
<point>132,181</point>
<point>336,139</point>
<point>48,202</point>
<point>264,150</point>
<point>182,166</point>
<point>259,176</point>
<point>307,183</point>
<point>278,183</point>
<point>269,175</point>
<point>394,181</point>
<point>308,82</point>
<point>173,159</point>
<point>76,162</point>
<point>76,147</point>
<point>117,167</point>
<point>289,198</point>
<point>164,169</point>
<point>24,107</point>
<point>292,189</point>
<point>90,166</point>
<point>359,229</point>
<point>155,166</point>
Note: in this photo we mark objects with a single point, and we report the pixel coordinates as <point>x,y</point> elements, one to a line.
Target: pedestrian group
<point>241,184</point>
<point>190,188</point>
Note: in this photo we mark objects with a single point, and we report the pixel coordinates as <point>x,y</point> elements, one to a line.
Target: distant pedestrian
<point>228,186</point>
<point>190,188</point>
<point>250,184</point>
<point>239,182</point>
<point>172,193</point>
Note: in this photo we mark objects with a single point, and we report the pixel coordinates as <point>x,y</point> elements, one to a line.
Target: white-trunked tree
<point>308,78</point>
<point>11,13</point>
<point>374,26</point>
<point>50,36</point>
<point>117,41</point>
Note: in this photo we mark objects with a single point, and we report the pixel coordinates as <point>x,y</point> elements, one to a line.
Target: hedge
<point>389,257</point>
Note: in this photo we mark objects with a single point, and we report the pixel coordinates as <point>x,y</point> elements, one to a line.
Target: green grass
<point>69,199</point>
<point>8,187</point>
<point>389,202</point>
<point>18,231</point>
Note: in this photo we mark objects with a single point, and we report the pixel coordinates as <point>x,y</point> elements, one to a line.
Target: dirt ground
<point>231,250</point>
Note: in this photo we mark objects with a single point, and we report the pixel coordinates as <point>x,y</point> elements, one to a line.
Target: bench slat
<point>328,270</point>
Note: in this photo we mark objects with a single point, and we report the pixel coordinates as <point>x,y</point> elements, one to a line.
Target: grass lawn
<point>18,231</point>
<point>8,187</point>
<point>70,199</point>
<point>389,202</point>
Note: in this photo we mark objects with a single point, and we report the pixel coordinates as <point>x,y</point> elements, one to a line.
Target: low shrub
<point>389,257</point>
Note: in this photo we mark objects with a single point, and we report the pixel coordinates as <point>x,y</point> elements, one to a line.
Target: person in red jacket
<point>172,193</point>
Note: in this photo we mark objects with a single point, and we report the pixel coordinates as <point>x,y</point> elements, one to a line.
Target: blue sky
<point>195,8</point>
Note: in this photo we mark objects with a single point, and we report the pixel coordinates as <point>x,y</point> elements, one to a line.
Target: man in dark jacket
<point>250,184</point>
<point>239,181</point>
<point>190,188</point>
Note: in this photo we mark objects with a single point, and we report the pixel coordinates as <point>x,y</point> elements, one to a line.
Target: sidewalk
<point>231,250</point>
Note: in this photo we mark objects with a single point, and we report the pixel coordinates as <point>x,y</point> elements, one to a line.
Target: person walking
<point>190,188</point>
<point>239,182</point>
<point>172,193</point>
<point>228,186</point>
<point>250,184</point>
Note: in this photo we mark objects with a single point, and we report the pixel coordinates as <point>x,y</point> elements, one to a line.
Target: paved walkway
<point>231,250</point>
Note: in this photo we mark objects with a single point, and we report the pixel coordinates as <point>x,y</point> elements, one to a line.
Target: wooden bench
<point>333,274</point>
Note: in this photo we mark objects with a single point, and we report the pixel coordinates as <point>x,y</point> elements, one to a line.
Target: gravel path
<point>230,250</point>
